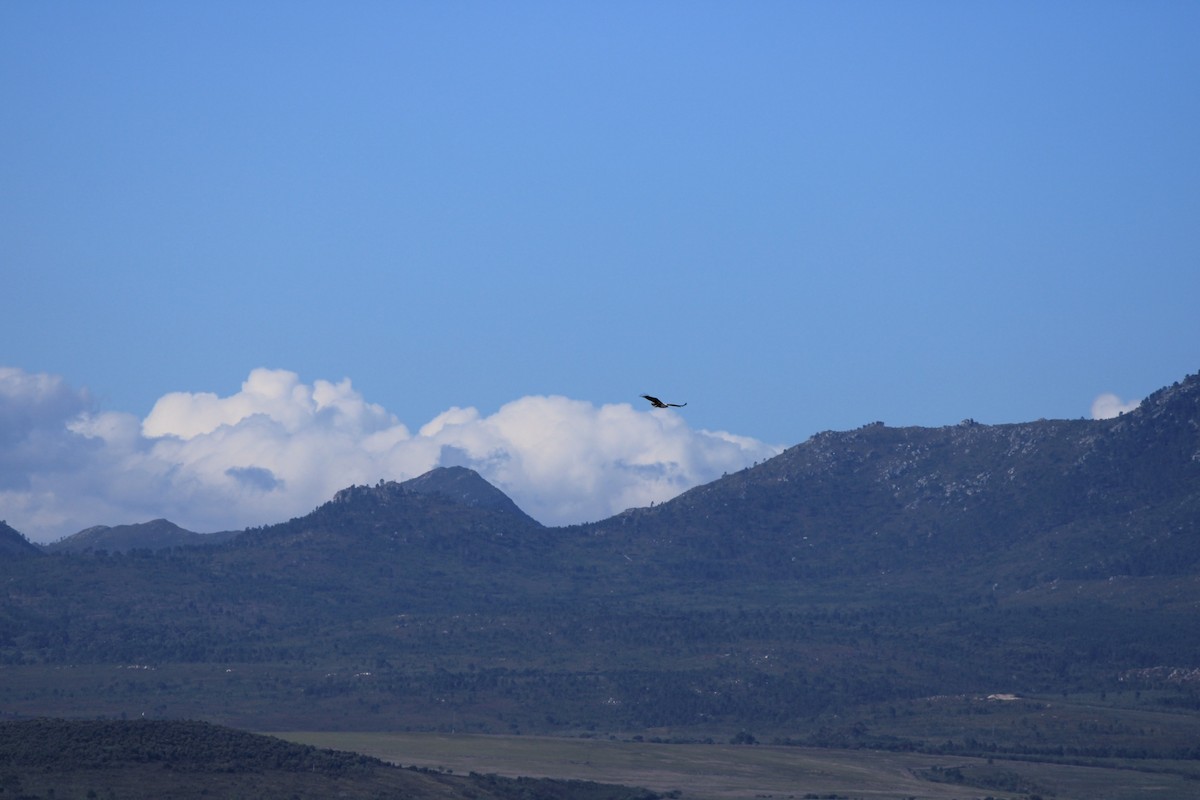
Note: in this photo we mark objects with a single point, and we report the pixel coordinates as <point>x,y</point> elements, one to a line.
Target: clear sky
<point>233,233</point>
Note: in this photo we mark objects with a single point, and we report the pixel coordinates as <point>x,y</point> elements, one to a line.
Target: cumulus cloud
<point>1108,405</point>
<point>277,395</point>
<point>32,407</point>
<point>279,447</point>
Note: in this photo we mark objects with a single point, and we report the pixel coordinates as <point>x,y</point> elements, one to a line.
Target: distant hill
<point>442,540</point>
<point>148,760</point>
<point>465,486</point>
<point>159,534</point>
<point>458,485</point>
<point>13,545</point>
<point>824,596</point>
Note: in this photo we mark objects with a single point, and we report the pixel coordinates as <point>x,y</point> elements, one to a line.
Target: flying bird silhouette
<point>654,401</point>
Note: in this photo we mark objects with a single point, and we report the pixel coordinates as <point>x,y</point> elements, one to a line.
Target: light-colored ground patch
<point>728,772</point>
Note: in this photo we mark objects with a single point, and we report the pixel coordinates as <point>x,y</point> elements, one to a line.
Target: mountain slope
<point>159,534</point>
<point>467,487</point>
<point>14,546</point>
<point>1026,502</point>
<point>446,540</point>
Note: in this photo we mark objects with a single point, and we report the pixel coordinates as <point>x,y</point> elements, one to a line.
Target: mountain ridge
<point>460,485</point>
<point>972,486</point>
<point>157,534</point>
<point>819,458</point>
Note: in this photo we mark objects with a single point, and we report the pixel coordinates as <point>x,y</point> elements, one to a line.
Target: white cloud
<point>279,447</point>
<point>275,394</point>
<point>1108,405</point>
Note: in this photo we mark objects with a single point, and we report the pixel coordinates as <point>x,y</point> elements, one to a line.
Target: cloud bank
<point>1108,405</point>
<point>280,447</point>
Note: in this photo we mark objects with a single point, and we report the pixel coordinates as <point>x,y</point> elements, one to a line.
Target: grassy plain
<point>733,772</point>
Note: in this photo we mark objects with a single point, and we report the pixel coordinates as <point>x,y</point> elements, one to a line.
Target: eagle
<point>654,401</point>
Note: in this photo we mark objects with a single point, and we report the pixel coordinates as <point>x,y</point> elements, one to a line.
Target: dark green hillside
<point>389,548</point>
<point>304,590</point>
<point>44,758</point>
<point>820,597</point>
<point>14,546</point>
<point>965,504</point>
<point>159,534</point>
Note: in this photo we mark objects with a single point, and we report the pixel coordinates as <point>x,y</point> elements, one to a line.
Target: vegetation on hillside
<point>156,759</point>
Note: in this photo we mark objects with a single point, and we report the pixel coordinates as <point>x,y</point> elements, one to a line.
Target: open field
<point>731,772</point>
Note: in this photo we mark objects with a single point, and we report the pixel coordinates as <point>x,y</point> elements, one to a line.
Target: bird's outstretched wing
<point>654,401</point>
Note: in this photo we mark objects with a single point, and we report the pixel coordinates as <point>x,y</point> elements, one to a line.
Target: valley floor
<point>733,772</point>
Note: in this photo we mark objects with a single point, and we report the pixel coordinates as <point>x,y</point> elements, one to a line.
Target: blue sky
<point>794,216</point>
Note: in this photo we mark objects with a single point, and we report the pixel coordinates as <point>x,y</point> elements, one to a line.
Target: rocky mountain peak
<point>459,484</point>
